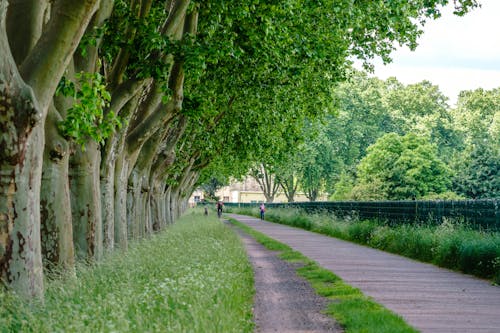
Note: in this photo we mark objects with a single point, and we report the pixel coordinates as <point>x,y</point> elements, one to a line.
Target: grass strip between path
<point>193,277</point>
<point>352,309</point>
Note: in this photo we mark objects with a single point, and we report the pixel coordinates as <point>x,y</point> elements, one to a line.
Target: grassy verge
<point>193,277</point>
<point>351,308</point>
<point>451,244</point>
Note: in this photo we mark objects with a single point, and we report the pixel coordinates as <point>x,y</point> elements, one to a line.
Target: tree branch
<point>45,64</point>
<point>24,25</point>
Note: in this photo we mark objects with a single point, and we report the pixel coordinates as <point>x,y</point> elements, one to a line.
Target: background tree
<point>288,174</point>
<point>368,108</point>
<point>401,168</point>
<point>362,118</point>
<point>266,178</point>
<point>479,174</point>
<point>423,110</point>
<point>476,117</point>
<point>213,185</point>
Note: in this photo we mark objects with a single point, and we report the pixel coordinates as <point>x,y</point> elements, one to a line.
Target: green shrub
<point>361,232</point>
<point>274,217</point>
<point>446,252</point>
<point>413,242</point>
<point>383,237</point>
<point>479,257</point>
<point>300,221</point>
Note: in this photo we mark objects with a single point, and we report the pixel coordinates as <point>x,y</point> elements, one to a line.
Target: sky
<point>455,53</point>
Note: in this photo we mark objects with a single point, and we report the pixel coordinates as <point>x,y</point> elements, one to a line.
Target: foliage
<point>448,195</point>
<point>88,117</point>
<point>367,109</point>
<point>403,167</point>
<point>477,113</point>
<point>128,32</point>
<point>213,185</point>
<point>266,74</point>
<point>479,174</point>
<point>318,164</point>
<point>478,164</point>
<point>159,285</point>
<point>363,117</point>
<point>287,174</point>
<point>343,187</point>
<point>422,109</point>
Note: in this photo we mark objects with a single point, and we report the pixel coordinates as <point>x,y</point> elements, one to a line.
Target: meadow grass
<point>451,244</point>
<point>192,277</point>
<point>352,309</point>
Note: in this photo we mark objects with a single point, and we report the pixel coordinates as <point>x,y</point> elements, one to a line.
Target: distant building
<point>247,191</point>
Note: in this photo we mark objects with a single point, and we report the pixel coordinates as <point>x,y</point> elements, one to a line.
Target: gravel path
<point>284,302</point>
<point>429,298</point>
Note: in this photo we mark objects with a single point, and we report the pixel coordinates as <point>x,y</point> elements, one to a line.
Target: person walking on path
<point>262,210</point>
<point>219,205</point>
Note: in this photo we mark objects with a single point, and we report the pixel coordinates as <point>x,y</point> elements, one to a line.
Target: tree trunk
<point>121,184</point>
<point>113,157</point>
<point>157,199</point>
<point>289,186</point>
<point>56,221</point>
<point>86,202</point>
<point>174,195</point>
<point>21,144</point>
<point>267,182</point>
<point>135,209</point>
<point>20,248</point>
<point>107,205</point>
<point>22,127</point>
<point>168,206</point>
<point>146,204</point>
<point>31,13</point>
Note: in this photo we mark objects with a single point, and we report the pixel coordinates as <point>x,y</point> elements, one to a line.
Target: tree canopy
<point>402,167</point>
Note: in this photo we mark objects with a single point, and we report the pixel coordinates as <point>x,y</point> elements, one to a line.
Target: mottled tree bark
<point>113,176</point>
<point>86,202</point>
<point>135,210</point>
<point>20,166</point>
<point>23,111</point>
<point>121,184</point>
<point>107,204</point>
<point>55,203</point>
<point>168,206</point>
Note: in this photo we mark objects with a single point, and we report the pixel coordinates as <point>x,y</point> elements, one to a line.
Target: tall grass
<point>451,244</point>
<point>194,277</point>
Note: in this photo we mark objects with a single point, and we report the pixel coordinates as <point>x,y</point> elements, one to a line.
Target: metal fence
<point>477,213</point>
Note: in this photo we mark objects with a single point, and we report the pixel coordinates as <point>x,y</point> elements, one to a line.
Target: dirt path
<point>284,302</point>
<point>429,298</point>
